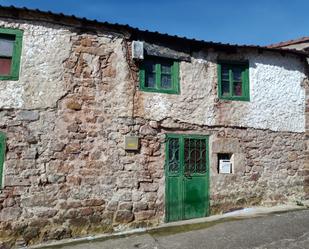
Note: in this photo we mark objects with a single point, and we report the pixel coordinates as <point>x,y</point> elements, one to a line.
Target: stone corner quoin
<point>66,172</point>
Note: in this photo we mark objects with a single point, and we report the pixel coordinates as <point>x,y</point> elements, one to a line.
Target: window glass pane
<point>5,66</point>
<point>166,81</point>
<point>150,67</point>
<point>150,80</point>
<point>189,156</point>
<point>195,155</point>
<point>237,73</point>
<point>224,73</point>
<point>173,155</point>
<point>150,74</point>
<point>237,88</point>
<point>166,68</point>
<point>201,156</point>
<point>6,46</point>
<point>225,88</point>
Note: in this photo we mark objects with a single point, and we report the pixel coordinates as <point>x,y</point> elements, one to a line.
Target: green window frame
<point>233,77</point>
<point>16,55</point>
<point>158,64</point>
<point>2,155</point>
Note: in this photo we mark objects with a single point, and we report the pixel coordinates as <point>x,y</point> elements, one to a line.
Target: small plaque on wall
<point>131,143</point>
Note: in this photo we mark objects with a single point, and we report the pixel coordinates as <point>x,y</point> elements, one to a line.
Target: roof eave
<point>87,24</point>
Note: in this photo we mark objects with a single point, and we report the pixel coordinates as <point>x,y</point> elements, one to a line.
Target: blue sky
<point>257,22</point>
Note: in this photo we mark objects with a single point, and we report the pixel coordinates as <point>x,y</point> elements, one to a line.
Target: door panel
<point>174,186</point>
<point>175,203</point>
<point>186,177</point>
<point>194,177</point>
<point>195,197</point>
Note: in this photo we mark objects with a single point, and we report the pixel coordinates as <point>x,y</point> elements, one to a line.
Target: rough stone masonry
<point>67,173</point>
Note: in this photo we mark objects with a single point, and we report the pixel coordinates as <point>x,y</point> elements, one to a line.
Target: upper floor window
<point>10,52</point>
<point>233,81</point>
<point>159,75</point>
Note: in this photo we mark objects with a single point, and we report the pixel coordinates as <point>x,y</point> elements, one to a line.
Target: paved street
<point>276,231</point>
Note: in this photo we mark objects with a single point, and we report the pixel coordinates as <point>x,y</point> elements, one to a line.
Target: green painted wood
<point>2,155</point>
<point>175,201</point>
<point>195,177</point>
<point>244,67</point>
<point>158,76</point>
<point>14,75</point>
<point>231,82</point>
<point>195,197</point>
<point>173,189</point>
<point>142,75</point>
<point>187,192</point>
<point>175,76</point>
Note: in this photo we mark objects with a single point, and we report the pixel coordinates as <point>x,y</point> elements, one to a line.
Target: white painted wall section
<point>41,83</point>
<point>277,98</point>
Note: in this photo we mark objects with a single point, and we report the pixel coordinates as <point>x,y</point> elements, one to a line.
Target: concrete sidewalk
<point>240,229</point>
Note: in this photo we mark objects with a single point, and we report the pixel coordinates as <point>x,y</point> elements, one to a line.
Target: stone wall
<point>78,186</point>
<point>306,173</point>
<point>269,168</point>
<point>66,171</point>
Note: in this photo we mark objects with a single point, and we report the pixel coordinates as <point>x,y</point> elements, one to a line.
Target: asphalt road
<point>276,231</point>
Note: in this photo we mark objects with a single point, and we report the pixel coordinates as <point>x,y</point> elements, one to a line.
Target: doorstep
<point>181,226</point>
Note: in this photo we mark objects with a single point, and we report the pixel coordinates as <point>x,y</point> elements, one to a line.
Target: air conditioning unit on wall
<point>225,166</point>
<point>138,50</point>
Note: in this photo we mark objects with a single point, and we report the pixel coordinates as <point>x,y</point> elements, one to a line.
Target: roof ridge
<point>289,42</point>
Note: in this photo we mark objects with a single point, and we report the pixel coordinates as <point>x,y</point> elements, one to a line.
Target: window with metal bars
<point>10,52</point>
<point>194,155</point>
<point>173,156</point>
<point>233,81</point>
<point>186,154</point>
<point>159,75</point>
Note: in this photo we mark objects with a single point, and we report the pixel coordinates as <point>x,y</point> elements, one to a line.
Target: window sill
<point>246,99</point>
<point>170,91</point>
<point>9,77</point>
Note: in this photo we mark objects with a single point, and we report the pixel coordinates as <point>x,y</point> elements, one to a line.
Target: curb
<point>178,226</point>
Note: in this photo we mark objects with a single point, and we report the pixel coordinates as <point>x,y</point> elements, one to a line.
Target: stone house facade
<point>93,140</point>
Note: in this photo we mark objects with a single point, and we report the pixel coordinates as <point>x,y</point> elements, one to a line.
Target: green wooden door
<point>187,177</point>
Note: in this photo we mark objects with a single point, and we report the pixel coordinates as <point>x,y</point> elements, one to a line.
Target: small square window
<point>233,81</point>
<point>159,75</point>
<point>10,52</point>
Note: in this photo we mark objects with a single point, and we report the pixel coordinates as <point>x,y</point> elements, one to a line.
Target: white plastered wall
<point>41,83</point>
<point>277,97</point>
